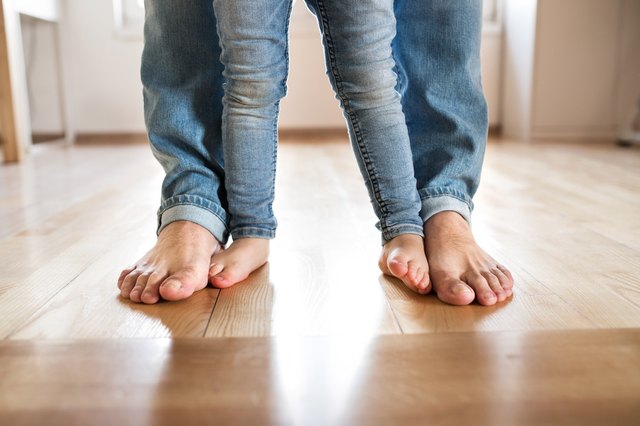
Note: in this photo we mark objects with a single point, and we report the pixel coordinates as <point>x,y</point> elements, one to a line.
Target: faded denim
<point>357,35</point>
<point>436,52</point>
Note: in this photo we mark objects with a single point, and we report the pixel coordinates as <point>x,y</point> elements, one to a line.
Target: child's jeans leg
<point>253,36</point>
<point>437,51</point>
<point>357,37</point>
<point>182,81</point>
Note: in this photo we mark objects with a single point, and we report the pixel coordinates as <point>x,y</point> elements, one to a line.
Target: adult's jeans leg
<point>182,78</point>
<point>437,53</point>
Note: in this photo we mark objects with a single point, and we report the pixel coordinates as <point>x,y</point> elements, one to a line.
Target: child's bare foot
<point>234,264</point>
<point>404,258</point>
<point>174,268</point>
<point>460,270</point>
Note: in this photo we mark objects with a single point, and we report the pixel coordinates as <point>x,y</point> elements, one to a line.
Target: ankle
<point>404,240</point>
<point>446,219</point>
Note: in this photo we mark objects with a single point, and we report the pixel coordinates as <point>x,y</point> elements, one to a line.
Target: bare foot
<point>460,270</point>
<point>404,258</point>
<point>174,268</point>
<point>234,264</point>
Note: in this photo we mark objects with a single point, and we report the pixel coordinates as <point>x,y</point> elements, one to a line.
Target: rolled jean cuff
<point>253,232</point>
<point>436,200</point>
<point>192,209</point>
<point>391,232</point>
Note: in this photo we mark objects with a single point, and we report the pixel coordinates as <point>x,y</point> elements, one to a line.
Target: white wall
<point>43,9</point>
<point>310,102</point>
<point>519,45</point>
<point>102,79</point>
<point>103,70</point>
<point>572,67</point>
<point>42,72</point>
<point>575,69</point>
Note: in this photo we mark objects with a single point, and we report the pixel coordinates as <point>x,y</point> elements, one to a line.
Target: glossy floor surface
<point>318,336</point>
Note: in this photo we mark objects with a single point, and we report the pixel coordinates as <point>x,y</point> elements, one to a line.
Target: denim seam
<point>352,117</point>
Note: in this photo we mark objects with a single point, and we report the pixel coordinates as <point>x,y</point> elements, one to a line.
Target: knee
<point>253,93</point>
<point>370,90</point>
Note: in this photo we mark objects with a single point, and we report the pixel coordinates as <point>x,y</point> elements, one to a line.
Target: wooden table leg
<point>15,124</point>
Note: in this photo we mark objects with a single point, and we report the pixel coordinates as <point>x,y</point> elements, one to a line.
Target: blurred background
<point>552,69</point>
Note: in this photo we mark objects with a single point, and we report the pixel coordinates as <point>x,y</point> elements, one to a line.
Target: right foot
<point>234,264</point>
<point>174,268</point>
<point>403,257</point>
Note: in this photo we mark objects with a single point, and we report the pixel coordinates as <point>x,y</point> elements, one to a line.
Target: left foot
<point>460,270</point>
<point>234,264</point>
<point>403,257</point>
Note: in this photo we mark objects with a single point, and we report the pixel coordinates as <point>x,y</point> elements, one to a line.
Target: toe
<point>505,283</point>
<point>138,288</point>
<point>494,284</point>
<point>453,291</point>
<point>215,269</point>
<point>416,276</point>
<point>424,285</point>
<point>128,283</point>
<point>151,293</point>
<point>484,294</point>
<point>171,289</point>
<point>398,266</point>
<point>181,285</point>
<point>508,282</point>
<point>123,275</point>
<point>412,274</point>
<point>505,278</point>
<point>228,277</point>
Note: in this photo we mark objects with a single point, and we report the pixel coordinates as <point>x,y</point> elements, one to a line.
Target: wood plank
<point>506,378</point>
<point>46,296</point>
<point>320,262</point>
<point>537,212</point>
<point>53,179</point>
<point>576,264</point>
<point>89,306</point>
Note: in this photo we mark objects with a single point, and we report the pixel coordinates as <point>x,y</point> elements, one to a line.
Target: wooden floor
<point>318,336</point>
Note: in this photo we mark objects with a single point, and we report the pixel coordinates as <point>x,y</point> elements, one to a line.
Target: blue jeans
<point>357,35</point>
<point>436,52</point>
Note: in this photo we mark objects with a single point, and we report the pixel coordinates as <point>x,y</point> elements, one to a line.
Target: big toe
<point>228,277</point>
<point>180,286</point>
<point>398,265</point>
<point>453,291</point>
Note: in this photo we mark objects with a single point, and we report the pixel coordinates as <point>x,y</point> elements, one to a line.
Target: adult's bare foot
<point>234,264</point>
<point>174,268</point>
<point>404,258</point>
<point>460,270</point>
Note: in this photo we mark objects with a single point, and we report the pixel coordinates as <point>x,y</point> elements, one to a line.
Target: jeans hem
<point>194,209</point>
<point>439,199</point>
<point>252,232</point>
<point>392,232</point>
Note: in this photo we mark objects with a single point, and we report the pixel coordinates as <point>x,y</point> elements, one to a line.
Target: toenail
<point>463,289</point>
<point>173,286</point>
<point>490,296</point>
